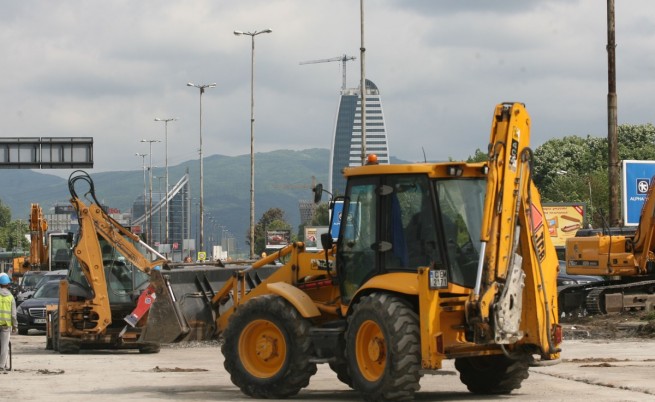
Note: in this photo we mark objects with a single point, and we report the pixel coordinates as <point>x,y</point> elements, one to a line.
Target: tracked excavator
<point>432,261</point>
<point>625,257</point>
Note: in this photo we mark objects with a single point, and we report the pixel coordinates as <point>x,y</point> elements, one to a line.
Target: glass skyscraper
<point>347,142</point>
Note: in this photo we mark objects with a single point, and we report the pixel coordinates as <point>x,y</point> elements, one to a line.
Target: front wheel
<point>383,348</point>
<point>267,348</point>
<point>495,374</point>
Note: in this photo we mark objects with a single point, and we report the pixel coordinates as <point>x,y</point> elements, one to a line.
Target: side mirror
<point>318,193</point>
<point>326,240</point>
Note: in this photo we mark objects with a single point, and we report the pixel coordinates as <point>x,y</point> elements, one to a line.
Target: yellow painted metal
<point>371,350</point>
<point>512,203</point>
<point>262,348</point>
<point>604,255</point>
<point>299,299</point>
<point>94,223</point>
<point>400,282</point>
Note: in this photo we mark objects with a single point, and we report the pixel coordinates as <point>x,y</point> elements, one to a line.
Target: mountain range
<point>282,178</point>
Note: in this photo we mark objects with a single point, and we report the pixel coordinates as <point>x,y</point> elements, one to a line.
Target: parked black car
<point>29,280</point>
<point>31,313</point>
<point>45,277</point>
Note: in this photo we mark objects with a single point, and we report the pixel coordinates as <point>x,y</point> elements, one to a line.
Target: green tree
<point>479,156</point>
<point>5,214</point>
<point>12,235</point>
<point>574,169</point>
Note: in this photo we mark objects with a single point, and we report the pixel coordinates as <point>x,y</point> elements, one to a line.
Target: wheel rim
<point>262,348</point>
<point>371,350</point>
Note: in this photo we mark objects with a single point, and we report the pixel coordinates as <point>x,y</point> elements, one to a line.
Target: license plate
<point>39,320</point>
<point>438,279</point>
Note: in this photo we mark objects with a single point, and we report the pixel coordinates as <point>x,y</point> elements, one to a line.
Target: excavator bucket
<point>165,321</point>
<point>182,309</point>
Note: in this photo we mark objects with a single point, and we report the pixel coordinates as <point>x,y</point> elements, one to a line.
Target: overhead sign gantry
<point>46,152</point>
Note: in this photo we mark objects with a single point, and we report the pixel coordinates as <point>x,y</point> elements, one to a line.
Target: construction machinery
<point>111,283</point>
<point>623,255</point>
<point>432,261</point>
<point>48,250</point>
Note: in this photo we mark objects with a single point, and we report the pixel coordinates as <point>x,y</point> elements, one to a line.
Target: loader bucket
<point>166,323</point>
<point>184,311</point>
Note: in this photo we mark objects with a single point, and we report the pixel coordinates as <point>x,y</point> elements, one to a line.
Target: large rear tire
<point>55,331</point>
<point>383,348</point>
<point>495,374</point>
<point>267,348</point>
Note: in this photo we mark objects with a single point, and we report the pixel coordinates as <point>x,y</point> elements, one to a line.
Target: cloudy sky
<point>106,69</point>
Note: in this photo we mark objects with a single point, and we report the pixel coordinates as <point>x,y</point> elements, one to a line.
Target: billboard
<point>313,237</point>
<point>564,220</point>
<point>277,238</point>
<point>637,177</point>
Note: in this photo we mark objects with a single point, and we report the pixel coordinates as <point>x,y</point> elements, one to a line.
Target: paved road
<point>591,370</point>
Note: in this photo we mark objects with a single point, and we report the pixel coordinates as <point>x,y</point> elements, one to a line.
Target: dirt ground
<point>610,326</point>
<point>606,358</point>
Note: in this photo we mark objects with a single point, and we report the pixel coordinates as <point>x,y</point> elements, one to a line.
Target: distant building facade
<point>179,219</point>
<point>347,141</point>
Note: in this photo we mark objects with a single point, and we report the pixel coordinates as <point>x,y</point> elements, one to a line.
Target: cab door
<point>357,255</point>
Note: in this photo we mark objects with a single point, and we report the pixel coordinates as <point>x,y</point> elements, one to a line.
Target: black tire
<point>149,348</point>
<point>495,374</point>
<point>341,369</point>
<point>48,343</point>
<point>383,348</point>
<point>267,348</point>
<point>68,347</point>
<point>23,331</point>
<point>55,331</point>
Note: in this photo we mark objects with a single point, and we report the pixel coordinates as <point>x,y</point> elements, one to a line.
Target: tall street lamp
<point>150,174</point>
<point>145,209</point>
<point>202,90</point>
<point>166,120</point>
<point>252,134</point>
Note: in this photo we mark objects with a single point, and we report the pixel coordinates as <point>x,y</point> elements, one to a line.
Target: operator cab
<point>124,281</point>
<point>400,221</point>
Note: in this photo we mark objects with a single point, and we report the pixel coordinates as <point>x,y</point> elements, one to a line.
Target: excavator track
<point>593,301</point>
<point>604,298</point>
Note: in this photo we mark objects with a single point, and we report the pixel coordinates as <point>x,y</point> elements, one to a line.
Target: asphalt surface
<point>600,370</point>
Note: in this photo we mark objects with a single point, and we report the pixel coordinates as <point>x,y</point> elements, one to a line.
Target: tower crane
<point>343,59</point>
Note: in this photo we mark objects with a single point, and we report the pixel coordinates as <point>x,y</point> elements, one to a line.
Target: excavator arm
<point>95,223</point>
<point>38,228</point>
<point>516,251</point>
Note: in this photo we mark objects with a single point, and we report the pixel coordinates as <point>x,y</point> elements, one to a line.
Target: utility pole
<point>612,125</point>
<point>362,83</point>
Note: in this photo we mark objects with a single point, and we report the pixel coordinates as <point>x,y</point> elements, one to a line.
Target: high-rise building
<point>347,142</point>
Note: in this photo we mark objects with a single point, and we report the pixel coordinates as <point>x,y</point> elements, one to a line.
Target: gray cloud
<point>106,69</point>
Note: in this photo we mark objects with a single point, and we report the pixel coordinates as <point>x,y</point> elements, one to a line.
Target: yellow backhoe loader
<point>432,261</point>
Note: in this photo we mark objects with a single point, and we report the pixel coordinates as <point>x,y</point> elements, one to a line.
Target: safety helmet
<point>4,279</point>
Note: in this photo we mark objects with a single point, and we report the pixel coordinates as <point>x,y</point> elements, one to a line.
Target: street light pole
<point>145,209</point>
<point>166,120</point>
<point>252,134</point>
<point>202,90</point>
<point>150,175</point>
<point>362,82</point>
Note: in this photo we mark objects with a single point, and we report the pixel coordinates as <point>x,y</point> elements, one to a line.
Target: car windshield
<point>31,280</point>
<point>47,278</point>
<point>48,291</point>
